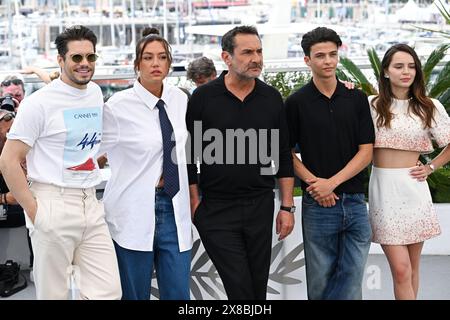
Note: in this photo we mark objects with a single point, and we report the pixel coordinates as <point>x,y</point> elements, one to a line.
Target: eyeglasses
<point>8,116</point>
<point>77,58</point>
<point>7,83</point>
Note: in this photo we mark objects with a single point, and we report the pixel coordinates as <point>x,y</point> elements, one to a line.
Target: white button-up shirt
<point>133,142</point>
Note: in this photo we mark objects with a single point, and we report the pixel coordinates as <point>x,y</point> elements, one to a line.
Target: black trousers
<point>237,235</point>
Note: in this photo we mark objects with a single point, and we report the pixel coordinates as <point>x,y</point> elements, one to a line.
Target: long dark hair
<point>150,35</point>
<point>419,103</point>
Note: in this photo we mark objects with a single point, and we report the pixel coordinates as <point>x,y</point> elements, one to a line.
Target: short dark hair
<point>13,80</point>
<point>200,67</point>
<point>318,35</point>
<point>75,33</point>
<point>150,34</point>
<point>228,44</point>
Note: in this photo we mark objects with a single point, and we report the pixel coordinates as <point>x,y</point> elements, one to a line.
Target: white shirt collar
<point>147,97</point>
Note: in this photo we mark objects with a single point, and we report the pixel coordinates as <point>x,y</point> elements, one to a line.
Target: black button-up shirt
<point>235,175</point>
<point>328,131</point>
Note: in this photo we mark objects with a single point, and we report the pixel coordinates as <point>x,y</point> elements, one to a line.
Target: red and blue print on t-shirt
<point>84,131</point>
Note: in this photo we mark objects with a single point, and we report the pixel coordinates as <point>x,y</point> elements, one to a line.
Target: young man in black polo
<point>333,129</point>
<point>235,215</point>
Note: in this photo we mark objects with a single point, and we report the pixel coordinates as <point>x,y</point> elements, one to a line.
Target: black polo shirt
<point>328,131</point>
<point>218,109</point>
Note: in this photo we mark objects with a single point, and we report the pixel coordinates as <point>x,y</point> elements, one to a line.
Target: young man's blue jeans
<point>336,242</point>
<point>172,266</point>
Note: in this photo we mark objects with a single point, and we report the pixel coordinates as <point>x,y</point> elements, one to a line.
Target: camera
<point>7,103</point>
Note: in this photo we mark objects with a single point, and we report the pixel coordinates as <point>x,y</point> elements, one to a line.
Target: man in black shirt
<point>334,131</point>
<point>245,120</point>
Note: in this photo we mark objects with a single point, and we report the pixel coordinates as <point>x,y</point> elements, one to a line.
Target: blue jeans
<point>172,267</point>
<point>336,242</point>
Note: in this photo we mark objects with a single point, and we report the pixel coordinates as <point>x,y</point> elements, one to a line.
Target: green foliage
<point>355,75</point>
<point>439,183</point>
<point>298,192</point>
<point>375,62</point>
<point>444,98</point>
<point>432,61</point>
<point>287,82</point>
<point>444,11</point>
<point>442,83</point>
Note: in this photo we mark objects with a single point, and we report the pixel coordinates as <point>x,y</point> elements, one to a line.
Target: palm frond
<point>343,76</point>
<point>442,82</point>
<point>443,10</point>
<point>375,62</point>
<point>443,33</point>
<point>357,76</point>
<point>444,98</point>
<point>433,60</point>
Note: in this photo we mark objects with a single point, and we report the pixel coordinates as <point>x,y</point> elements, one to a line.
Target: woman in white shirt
<point>400,205</point>
<point>147,197</point>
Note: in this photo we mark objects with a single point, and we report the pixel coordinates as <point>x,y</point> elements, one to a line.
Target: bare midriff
<point>393,158</point>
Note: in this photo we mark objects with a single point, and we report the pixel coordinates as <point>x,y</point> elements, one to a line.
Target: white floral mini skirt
<point>400,208</point>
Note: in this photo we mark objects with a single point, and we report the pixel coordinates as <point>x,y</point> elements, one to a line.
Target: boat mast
<point>133,27</point>
<point>165,19</point>
<point>111,20</point>
<point>10,32</point>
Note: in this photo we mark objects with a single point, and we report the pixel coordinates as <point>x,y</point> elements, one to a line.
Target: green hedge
<point>439,183</point>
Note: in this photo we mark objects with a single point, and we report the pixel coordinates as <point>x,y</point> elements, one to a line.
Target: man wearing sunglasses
<point>58,129</point>
<point>14,87</point>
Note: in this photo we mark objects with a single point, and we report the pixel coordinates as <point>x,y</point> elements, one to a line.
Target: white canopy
<point>411,12</point>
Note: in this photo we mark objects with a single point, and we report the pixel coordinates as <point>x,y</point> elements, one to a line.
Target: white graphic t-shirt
<point>63,127</point>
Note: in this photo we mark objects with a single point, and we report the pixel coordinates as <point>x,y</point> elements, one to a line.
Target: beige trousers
<point>70,236</point>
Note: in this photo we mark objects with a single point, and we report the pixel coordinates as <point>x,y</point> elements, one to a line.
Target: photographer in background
<point>14,87</point>
<point>201,71</point>
<point>11,214</point>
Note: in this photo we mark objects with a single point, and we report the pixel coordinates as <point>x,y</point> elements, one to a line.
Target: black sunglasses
<point>7,116</point>
<point>7,83</point>
<point>77,58</point>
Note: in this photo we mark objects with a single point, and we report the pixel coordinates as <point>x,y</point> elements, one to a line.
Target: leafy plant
<point>356,75</point>
<point>287,82</point>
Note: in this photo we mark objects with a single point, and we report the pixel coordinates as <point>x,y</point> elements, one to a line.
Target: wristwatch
<point>288,209</point>
<point>431,166</point>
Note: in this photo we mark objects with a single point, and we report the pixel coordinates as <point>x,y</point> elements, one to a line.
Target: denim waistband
<point>159,189</point>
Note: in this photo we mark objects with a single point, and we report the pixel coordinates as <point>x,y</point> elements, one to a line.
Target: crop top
<point>407,131</point>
